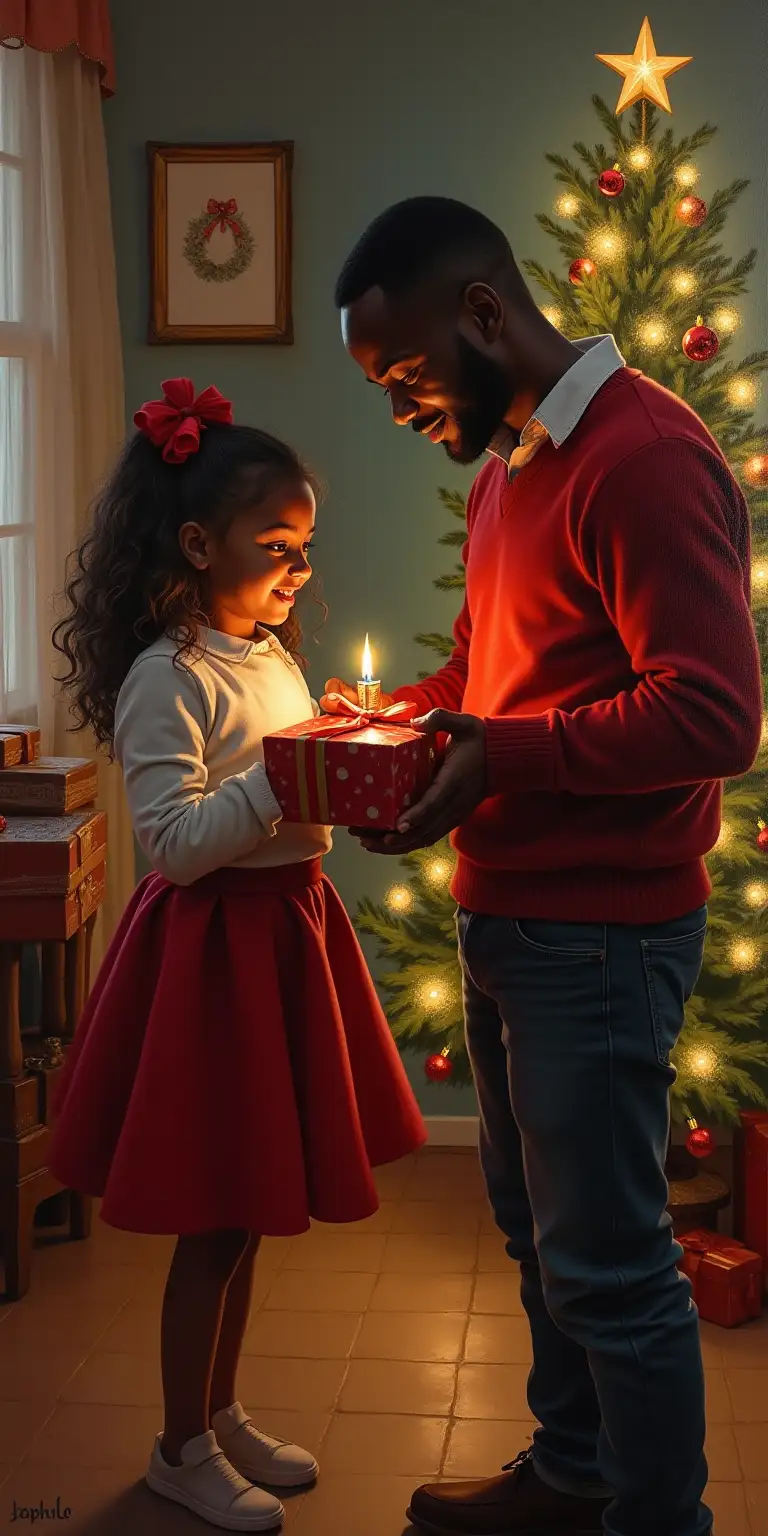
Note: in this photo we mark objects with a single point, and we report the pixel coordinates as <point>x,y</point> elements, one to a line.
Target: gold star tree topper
<point>645,71</point>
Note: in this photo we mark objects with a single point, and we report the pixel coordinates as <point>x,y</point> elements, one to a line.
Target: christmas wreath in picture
<point>227,219</point>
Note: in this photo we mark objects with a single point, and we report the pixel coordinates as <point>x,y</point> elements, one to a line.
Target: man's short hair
<point>410,239</point>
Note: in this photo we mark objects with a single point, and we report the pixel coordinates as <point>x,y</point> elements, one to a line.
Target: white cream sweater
<point>189,735</point>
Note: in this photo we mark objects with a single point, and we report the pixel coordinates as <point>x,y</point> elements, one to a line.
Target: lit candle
<point>368,688</point>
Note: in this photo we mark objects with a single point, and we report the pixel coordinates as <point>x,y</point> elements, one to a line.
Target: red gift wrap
<point>750,1191</point>
<point>355,769</point>
<point>727,1278</point>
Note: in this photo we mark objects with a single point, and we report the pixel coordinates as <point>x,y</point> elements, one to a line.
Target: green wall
<point>383,102</point>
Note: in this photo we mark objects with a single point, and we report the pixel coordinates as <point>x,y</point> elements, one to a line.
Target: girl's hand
<point>336,685</point>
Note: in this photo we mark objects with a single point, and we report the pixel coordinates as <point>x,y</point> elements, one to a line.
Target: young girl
<point>233,1074</point>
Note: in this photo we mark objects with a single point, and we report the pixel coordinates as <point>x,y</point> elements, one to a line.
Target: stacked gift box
<point>52,841</point>
<point>727,1277</point>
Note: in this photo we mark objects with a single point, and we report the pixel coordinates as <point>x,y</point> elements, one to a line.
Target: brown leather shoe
<point>517,1503</point>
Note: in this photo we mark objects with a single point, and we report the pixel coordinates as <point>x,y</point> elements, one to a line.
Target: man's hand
<point>336,685</point>
<point>457,789</point>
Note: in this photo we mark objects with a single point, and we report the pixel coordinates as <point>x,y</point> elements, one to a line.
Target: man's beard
<point>482,382</point>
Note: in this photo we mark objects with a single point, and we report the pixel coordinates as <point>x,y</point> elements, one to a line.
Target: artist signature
<point>41,1511</point>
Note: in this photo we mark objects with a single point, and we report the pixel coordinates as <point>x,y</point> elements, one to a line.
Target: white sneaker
<point>257,1456</point>
<point>207,1483</point>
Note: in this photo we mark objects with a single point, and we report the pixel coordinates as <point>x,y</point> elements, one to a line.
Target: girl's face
<point>256,568</point>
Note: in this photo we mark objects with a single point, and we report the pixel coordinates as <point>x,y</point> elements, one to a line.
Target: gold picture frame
<point>221,243</point>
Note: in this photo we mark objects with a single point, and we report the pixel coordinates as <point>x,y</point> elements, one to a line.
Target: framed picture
<point>220,228</point>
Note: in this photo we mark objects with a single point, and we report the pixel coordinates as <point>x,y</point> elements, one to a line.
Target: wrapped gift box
<point>52,875</point>
<point>750,1191</point>
<point>48,786</point>
<point>357,769</point>
<point>30,741</point>
<point>727,1278</point>
<point>11,749</point>
<point>50,856</point>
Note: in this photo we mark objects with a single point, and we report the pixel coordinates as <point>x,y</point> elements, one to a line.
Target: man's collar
<point>562,409</point>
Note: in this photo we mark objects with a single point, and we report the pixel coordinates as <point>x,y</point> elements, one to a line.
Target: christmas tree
<point>642,259</point>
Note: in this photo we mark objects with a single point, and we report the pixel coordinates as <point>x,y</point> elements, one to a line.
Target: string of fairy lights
<point>432,994</point>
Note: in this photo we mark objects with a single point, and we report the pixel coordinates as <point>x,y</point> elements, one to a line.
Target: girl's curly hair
<point>129,581</point>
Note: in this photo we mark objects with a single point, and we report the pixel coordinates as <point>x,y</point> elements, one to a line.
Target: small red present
<point>727,1278</point>
<point>358,768</point>
<point>750,1191</point>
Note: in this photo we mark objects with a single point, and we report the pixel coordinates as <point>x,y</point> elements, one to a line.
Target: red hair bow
<point>175,423</point>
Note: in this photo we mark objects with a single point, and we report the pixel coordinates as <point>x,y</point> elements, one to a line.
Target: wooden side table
<point>63,925</point>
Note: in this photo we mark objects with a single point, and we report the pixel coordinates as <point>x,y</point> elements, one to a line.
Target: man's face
<point>439,373</point>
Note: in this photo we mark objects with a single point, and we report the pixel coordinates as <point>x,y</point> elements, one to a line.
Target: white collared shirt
<point>562,409</point>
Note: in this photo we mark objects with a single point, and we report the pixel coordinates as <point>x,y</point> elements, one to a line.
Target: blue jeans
<point>570,1028</point>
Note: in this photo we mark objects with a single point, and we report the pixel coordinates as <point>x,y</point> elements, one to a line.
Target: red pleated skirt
<point>233,1066</point>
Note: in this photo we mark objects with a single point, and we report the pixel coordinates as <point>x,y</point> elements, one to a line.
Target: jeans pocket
<point>561,941</point>
<point>672,963</point>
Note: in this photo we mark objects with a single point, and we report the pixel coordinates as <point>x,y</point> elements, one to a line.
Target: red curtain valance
<point>51,25</point>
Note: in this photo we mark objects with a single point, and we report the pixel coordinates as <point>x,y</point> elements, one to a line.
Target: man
<point>604,680</point>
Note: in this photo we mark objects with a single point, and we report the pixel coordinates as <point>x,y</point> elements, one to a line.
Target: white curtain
<point>61,388</point>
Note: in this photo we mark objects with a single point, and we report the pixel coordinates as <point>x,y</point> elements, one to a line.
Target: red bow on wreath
<point>175,423</point>
<point>223,214</point>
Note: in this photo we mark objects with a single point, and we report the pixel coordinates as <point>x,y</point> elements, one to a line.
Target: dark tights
<point>205,1314</point>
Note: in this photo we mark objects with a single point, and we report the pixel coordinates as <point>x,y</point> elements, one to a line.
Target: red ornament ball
<point>691,211</point>
<point>700,1142</point>
<point>611,183</point>
<point>762,839</point>
<point>756,470</point>
<point>3,824</point>
<point>582,267</point>
<point>438,1068</point>
<point>701,343</point>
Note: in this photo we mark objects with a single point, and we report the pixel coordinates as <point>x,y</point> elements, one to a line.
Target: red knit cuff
<point>519,753</point>
<point>414,695</point>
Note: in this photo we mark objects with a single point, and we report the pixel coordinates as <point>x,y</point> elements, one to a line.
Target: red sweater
<point>607,642</point>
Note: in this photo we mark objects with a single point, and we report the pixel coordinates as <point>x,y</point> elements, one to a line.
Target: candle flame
<point>367,669</point>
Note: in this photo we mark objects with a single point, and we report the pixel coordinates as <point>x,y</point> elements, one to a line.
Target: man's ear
<point>484,310</point>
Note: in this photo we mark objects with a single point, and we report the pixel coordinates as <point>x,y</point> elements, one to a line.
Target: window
<point>20,342</point>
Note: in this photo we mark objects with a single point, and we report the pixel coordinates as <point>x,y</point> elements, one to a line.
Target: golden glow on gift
<point>567,206</point>
<point>726,320</point>
<point>742,391</point>
<point>607,244</point>
<point>640,157</point>
<point>744,954</point>
<point>644,72</point>
<point>653,333</point>
<point>687,176</point>
<point>399,898</point>
<point>552,314</point>
<point>366,671</point>
<point>684,282</point>
<point>756,894</point>
<point>438,871</point>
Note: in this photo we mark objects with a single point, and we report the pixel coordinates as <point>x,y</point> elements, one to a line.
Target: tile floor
<point>397,1347</point>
